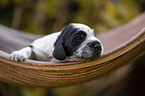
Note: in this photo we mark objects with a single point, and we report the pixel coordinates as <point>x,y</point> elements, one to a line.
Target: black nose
<point>95,45</point>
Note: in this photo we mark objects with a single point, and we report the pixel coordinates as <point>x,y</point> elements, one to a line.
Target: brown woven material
<point>122,46</point>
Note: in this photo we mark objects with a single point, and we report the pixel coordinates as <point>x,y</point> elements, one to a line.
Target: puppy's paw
<point>18,56</point>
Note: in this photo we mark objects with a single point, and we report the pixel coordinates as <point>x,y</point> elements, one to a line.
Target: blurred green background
<point>47,16</point>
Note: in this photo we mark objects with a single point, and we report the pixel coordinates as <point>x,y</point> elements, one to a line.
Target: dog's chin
<point>88,57</point>
<point>85,56</point>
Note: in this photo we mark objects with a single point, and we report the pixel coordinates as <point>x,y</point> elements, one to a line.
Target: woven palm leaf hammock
<point>122,46</point>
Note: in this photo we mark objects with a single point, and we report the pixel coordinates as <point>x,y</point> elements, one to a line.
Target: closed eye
<point>79,37</point>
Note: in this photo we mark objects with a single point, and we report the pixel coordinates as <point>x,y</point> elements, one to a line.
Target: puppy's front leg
<point>21,54</point>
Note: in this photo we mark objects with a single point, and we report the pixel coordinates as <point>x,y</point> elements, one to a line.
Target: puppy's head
<point>77,41</point>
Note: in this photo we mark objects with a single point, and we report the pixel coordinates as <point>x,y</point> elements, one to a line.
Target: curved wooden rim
<point>48,74</point>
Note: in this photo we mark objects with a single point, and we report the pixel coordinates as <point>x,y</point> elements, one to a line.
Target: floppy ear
<point>59,52</point>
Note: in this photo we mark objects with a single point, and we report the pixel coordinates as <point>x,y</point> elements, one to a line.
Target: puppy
<point>75,42</point>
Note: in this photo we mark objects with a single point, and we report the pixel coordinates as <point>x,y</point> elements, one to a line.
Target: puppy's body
<point>43,47</point>
<point>75,41</point>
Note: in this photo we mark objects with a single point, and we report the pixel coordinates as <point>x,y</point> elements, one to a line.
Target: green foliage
<point>49,7</point>
<point>72,91</point>
<point>45,16</point>
<point>14,90</point>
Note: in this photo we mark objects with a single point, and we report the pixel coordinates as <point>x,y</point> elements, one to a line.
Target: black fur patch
<point>68,41</point>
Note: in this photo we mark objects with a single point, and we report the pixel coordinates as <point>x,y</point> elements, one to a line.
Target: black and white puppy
<point>74,42</point>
